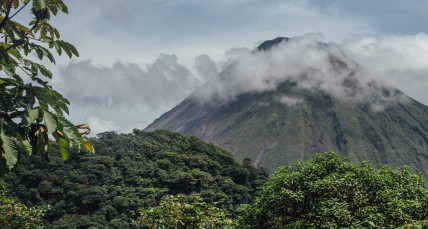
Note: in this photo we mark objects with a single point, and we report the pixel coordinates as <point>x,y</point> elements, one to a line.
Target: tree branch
<point>6,17</point>
<point>25,4</point>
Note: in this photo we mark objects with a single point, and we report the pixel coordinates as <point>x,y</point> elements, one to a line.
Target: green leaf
<point>8,69</point>
<point>18,28</point>
<point>27,146</point>
<point>9,147</point>
<point>39,4</point>
<point>88,146</point>
<point>30,116</point>
<point>45,71</point>
<point>62,144</point>
<point>50,121</point>
<point>71,132</point>
<point>15,4</point>
<point>57,47</point>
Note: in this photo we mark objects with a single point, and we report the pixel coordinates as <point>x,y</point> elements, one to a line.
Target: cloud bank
<point>128,85</point>
<point>399,61</point>
<point>306,61</point>
<point>126,95</point>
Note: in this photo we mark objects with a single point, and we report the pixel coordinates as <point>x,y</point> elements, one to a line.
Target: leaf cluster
<point>17,215</point>
<point>329,191</point>
<point>30,110</point>
<point>181,213</point>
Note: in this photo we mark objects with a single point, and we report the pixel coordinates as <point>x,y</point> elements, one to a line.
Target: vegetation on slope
<point>180,213</point>
<point>317,122</point>
<point>130,172</point>
<point>16,215</point>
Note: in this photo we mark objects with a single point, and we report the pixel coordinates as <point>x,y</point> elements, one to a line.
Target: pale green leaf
<point>30,116</point>
<point>10,148</point>
<point>42,4</point>
<point>71,132</point>
<point>27,146</point>
<point>50,121</point>
<point>62,6</point>
<point>62,144</point>
<point>8,69</point>
<point>57,47</point>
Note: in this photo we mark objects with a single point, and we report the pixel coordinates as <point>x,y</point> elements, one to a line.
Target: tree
<point>30,109</point>
<point>329,191</point>
<point>177,212</point>
<point>17,215</point>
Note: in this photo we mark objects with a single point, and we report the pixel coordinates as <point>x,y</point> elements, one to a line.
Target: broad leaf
<point>30,116</point>
<point>50,121</point>
<point>62,144</point>
<point>9,147</point>
<point>8,69</point>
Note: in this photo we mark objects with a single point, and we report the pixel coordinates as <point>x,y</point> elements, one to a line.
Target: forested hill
<point>129,172</point>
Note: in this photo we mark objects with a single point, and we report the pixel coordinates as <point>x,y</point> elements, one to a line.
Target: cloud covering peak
<point>123,95</point>
<point>305,61</point>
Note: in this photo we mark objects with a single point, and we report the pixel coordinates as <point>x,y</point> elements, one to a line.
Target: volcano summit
<point>291,98</point>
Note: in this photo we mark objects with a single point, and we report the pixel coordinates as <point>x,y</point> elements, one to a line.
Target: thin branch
<point>25,4</point>
<point>25,71</point>
<point>35,24</point>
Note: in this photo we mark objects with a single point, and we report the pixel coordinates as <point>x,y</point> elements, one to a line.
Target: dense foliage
<point>329,191</point>
<point>17,215</point>
<point>130,172</point>
<point>181,213</point>
<point>30,110</point>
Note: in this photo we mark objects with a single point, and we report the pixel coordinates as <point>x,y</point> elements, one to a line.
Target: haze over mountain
<point>293,97</point>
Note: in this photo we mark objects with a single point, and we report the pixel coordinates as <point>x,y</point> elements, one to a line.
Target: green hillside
<point>395,136</point>
<point>261,127</point>
<point>130,172</point>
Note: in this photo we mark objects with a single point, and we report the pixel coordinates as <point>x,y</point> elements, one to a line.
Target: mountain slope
<point>277,127</point>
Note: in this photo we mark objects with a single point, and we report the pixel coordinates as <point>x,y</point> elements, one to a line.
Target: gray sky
<point>139,58</point>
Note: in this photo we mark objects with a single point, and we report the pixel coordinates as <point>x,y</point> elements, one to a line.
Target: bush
<point>17,215</point>
<point>179,212</point>
<point>329,191</point>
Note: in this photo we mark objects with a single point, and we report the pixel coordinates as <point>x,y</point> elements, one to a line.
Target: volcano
<point>299,113</point>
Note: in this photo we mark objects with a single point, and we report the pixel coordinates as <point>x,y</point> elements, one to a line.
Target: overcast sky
<point>139,58</point>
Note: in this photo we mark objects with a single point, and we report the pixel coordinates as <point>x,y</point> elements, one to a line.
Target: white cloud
<point>132,94</point>
<point>291,101</point>
<point>127,85</point>
<point>99,125</point>
<point>400,61</point>
<point>310,64</point>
